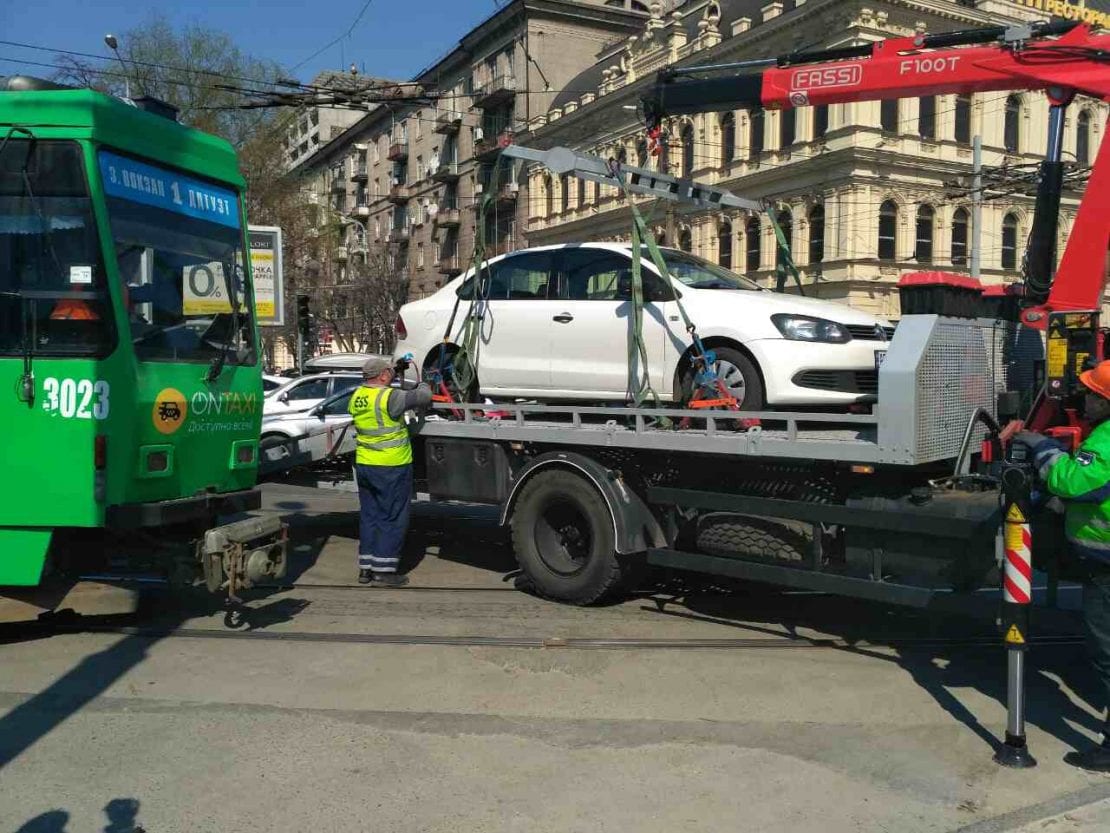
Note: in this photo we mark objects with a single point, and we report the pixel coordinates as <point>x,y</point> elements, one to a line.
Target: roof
<point>88,114</point>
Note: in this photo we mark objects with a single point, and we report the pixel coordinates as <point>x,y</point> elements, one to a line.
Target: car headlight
<point>805,328</point>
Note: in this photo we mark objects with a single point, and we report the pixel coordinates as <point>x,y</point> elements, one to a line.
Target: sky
<point>394,38</point>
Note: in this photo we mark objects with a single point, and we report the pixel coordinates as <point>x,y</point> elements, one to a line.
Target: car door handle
<point>563,318</point>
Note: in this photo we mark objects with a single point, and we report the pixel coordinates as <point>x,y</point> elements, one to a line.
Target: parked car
<point>332,362</point>
<point>331,412</point>
<point>557,320</point>
<point>270,383</point>
<point>308,391</point>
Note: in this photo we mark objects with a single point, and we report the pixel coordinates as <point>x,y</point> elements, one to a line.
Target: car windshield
<point>179,245</point>
<point>53,288</point>
<point>696,273</point>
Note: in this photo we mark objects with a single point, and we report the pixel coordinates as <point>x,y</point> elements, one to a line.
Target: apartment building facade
<point>413,179</point>
<point>864,192</point>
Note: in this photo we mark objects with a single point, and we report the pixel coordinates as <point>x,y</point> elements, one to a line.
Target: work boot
<point>389,580</point>
<point>365,576</point>
<point>1095,759</point>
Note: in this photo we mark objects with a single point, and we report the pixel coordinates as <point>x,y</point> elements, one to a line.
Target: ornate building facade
<point>863,191</point>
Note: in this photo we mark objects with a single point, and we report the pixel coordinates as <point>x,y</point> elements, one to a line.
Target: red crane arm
<point>901,68</point>
<point>987,60</point>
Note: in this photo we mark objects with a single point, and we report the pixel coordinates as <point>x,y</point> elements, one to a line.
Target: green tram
<point>130,383</point>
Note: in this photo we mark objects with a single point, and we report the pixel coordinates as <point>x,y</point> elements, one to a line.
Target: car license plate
<point>879,356</point>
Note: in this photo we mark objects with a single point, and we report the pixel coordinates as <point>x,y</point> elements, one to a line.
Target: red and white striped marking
<point>1017,578</point>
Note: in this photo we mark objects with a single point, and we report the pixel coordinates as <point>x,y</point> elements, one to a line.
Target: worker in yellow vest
<point>383,467</point>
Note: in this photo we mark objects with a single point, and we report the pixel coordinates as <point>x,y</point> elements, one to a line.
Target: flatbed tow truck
<point>905,505</point>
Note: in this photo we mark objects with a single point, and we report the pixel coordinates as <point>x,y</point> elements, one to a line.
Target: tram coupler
<point>1017,594</point>
<point>239,555</point>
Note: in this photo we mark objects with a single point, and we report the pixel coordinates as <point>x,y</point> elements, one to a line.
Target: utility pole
<point>976,202</point>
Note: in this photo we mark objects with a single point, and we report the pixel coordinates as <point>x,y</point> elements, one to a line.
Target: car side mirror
<point>318,410</point>
<point>284,398</point>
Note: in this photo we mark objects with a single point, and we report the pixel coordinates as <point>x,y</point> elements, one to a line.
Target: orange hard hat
<point>1097,379</point>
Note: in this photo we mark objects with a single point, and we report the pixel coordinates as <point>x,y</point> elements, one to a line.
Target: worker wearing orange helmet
<point>1082,481</point>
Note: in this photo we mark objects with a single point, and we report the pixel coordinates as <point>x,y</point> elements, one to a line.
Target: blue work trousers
<point>384,495</point>
<point>1096,616</point>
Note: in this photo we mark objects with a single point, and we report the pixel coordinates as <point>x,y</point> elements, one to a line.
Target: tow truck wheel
<point>563,538</point>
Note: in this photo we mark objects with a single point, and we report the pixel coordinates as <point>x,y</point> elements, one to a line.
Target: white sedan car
<point>556,320</point>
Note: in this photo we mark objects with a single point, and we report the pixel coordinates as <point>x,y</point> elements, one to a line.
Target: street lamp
<point>113,44</point>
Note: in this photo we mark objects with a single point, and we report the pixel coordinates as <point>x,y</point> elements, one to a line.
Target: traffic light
<point>304,318</point>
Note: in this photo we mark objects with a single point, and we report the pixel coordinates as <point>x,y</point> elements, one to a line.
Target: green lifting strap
<point>785,261</point>
<point>465,361</point>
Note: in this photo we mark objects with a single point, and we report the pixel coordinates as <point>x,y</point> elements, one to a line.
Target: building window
<point>685,240</point>
<point>888,115</point>
<point>963,119</point>
<point>960,226</point>
<point>641,153</point>
<point>1011,131</point>
<point>788,124</point>
<point>581,193</point>
<point>688,150</point>
<point>564,186</point>
<point>724,244</point>
<point>816,234</point>
<point>786,222</point>
<point>820,121</point>
<point>549,196</point>
<point>728,138</point>
<point>927,117</point>
<point>923,239</point>
<point>1009,241</point>
<point>751,240</point>
<point>888,229</point>
<point>755,134</point>
<point>1083,138</point>
<point>663,160</point>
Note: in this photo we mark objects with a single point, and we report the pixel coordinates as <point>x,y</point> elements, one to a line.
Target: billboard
<point>266,266</point>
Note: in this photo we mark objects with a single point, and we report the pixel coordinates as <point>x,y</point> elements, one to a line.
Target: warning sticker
<point>1015,514</point>
<point>1057,358</point>
<point>1014,637</point>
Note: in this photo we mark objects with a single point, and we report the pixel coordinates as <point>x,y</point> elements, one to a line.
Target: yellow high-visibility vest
<point>382,440</point>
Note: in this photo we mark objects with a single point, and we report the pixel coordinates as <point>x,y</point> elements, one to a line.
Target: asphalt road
<point>819,714</point>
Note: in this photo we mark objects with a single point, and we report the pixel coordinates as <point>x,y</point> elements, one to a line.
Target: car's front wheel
<point>739,375</point>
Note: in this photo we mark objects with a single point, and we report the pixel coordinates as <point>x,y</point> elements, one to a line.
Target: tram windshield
<point>179,246</point>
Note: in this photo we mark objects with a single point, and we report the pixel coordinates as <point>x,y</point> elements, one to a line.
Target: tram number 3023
<point>76,398</point>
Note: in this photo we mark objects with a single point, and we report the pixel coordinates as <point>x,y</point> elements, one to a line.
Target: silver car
<point>317,431</point>
<point>302,394</point>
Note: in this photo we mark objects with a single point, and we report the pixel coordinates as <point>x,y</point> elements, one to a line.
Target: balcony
<point>341,253</point>
<point>496,91</point>
<point>448,123</point>
<point>399,194</point>
<point>338,185</point>
<point>449,265</point>
<point>361,173</point>
<point>447,216</point>
<point>362,209</point>
<point>399,235</point>
<point>508,192</point>
<point>446,172</point>
<point>398,152</point>
<point>486,149</point>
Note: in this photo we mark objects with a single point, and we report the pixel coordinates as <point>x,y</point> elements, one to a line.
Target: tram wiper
<point>217,365</point>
